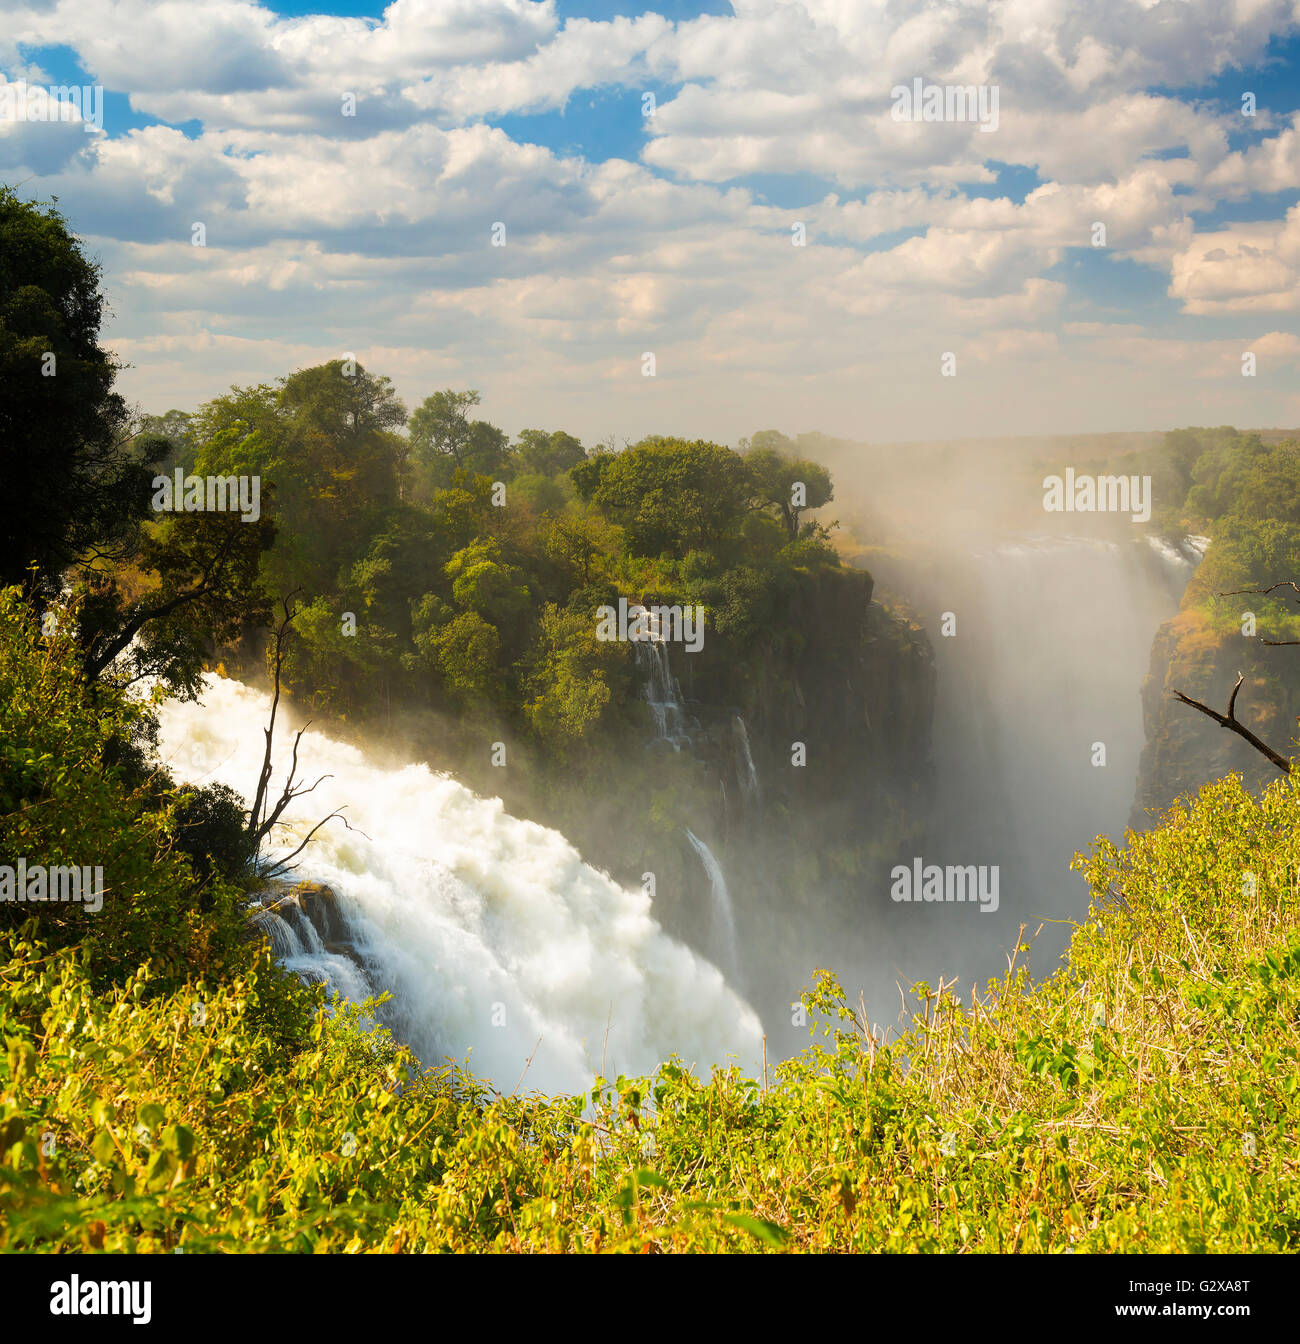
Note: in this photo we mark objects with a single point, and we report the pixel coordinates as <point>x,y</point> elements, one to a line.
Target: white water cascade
<point>1179,559</point>
<point>490,932</point>
<point>724,945</point>
<point>663,693</point>
<point>748,774</point>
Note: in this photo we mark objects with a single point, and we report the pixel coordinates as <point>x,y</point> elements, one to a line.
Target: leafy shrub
<point>68,799</point>
<point>1143,1097</point>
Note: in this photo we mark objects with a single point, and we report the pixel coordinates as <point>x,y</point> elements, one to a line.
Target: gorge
<point>497,942</point>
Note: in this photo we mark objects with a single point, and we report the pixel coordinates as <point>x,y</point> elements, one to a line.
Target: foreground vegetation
<point>1144,1097</point>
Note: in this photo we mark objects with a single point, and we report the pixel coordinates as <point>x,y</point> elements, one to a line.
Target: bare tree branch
<point>254,832</point>
<point>1281,583</point>
<point>1232,699</point>
<point>1233,724</point>
<point>285,864</point>
<point>260,826</point>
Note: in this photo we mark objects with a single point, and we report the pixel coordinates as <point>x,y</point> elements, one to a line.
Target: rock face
<point>817,743</point>
<point>798,752</point>
<point>304,920</point>
<point>1185,749</point>
<point>837,721</point>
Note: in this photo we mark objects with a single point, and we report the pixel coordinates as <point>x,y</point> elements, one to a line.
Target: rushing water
<point>490,932</point>
<point>673,725</point>
<point>663,694</point>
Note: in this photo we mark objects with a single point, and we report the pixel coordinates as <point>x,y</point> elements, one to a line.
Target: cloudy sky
<point>673,233</point>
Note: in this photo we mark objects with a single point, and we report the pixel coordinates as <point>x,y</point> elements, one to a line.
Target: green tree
<point>176,428</point>
<point>467,652</point>
<point>70,480</point>
<point>67,799</point>
<point>568,683</point>
<point>324,445</point>
<point>482,581</point>
<point>588,474</point>
<point>541,494</point>
<point>673,496</point>
<point>789,484</point>
<point>395,568</point>
<point>542,454</point>
<point>584,543</point>
<point>440,426</point>
<point>194,584</point>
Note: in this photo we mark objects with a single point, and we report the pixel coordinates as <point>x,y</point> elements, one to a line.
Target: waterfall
<point>748,775</point>
<point>298,946</point>
<point>662,692</point>
<point>663,695</point>
<point>490,932</point>
<point>1179,559</point>
<point>723,943</point>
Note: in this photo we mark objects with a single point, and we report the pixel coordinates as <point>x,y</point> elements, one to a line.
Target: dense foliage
<point>60,419</point>
<point>1143,1097</point>
<point>449,570</point>
<point>1247,493</point>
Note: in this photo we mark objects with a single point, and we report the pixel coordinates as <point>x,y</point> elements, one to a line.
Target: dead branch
<point>1261,592</point>
<point>1233,724</point>
<point>1281,583</point>
<point>261,820</point>
<point>284,864</point>
<point>254,830</point>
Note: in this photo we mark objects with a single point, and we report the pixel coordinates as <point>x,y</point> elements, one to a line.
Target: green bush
<point>64,802</point>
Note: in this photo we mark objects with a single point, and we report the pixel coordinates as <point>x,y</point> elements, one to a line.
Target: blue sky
<point>774,121</point>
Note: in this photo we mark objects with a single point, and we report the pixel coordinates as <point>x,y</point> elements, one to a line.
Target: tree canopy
<point>71,481</point>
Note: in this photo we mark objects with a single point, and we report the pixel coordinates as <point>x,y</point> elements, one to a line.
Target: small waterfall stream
<point>724,946</point>
<point>749,787</point>
<point>1179,559</point>
<point>674,726</point>
<point>662,692</point>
